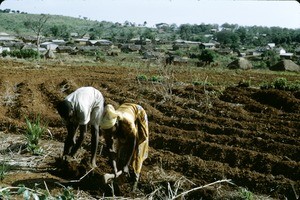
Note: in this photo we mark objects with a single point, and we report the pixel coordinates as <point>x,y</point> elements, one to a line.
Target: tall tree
<point>37,26</point>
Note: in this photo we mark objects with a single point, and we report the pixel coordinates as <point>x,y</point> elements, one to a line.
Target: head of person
<point>109,118</point>
<point>65,109</point>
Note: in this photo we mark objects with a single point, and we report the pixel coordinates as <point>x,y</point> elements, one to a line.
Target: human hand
<point>126,169</point>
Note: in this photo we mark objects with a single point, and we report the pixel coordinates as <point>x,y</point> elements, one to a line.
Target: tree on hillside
<point>60,30</point>
<point>37,26</point>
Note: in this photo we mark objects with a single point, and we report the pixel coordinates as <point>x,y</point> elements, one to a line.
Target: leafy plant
<point>68,194</point>
<point>34,132</point>
<point>4,193</point>
<point>280,83</point>
<point>156,79</point>
<point>246,194</point>
<point>35,193</point>
<point>294,86</point>
<point>3,170</point>
<point>142,77</point>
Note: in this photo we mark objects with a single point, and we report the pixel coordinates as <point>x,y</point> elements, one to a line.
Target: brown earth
<point>199,134</point>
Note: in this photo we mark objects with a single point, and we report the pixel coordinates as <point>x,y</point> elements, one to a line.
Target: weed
<point>3,170</point>
<point>156,78</point>
<point>202,83</point>
<point>246,194</point>
<point>68,194</point>
<point>10,95</point>
<point>34,132</point>
<point>142,77</point>
<point>35,193</point>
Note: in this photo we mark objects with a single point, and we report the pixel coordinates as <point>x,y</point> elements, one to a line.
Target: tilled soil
<point>202,133</point>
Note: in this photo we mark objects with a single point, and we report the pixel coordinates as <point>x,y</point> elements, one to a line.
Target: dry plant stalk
<point>201,187</point>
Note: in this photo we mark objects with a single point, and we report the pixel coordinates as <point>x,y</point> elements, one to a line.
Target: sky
<point>270,13</point>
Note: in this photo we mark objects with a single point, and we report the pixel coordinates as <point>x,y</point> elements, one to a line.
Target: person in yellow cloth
<point>128,128</point>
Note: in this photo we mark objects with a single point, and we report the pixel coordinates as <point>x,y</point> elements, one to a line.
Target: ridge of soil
<point>203,133</point>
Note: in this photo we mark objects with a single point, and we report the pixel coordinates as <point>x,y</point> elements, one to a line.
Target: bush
<point>5,53</point>
<point>280,83</point>
<point>24,53</point>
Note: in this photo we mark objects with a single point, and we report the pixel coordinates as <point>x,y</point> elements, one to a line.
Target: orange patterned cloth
<point>133,123</point>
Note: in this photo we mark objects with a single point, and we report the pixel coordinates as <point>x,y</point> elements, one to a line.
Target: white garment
<point>88,105</point>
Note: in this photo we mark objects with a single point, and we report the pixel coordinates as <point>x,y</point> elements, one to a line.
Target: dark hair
<point>64,109</point>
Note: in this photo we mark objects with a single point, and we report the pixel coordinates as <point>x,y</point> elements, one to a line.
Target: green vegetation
<point>35,193</point>
<point>282,84</point>
<point>246,194</point>
<point>142,77</point>
<point>202,83</point>
<point>231,35</point>
<point>3,170</point>
<point>34,132</point>
<point>23,53</point>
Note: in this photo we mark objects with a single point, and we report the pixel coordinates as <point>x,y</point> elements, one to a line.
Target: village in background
<point>228,45</point>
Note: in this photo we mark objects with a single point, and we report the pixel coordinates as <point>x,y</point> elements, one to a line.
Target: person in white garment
<point>80,108</point>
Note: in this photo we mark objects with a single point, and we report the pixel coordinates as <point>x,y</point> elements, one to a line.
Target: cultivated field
<point>205,126</point>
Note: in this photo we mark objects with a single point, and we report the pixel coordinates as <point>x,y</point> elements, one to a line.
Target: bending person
<point>80,108</point>
<point>128,128</point>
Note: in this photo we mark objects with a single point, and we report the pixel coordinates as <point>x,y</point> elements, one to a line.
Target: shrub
<point>5,53</point>
<point>280,83</point>
<point>24,53</point>
<point>294,86</point>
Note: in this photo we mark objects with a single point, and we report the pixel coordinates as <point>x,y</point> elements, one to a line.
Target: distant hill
<point>13,23</point>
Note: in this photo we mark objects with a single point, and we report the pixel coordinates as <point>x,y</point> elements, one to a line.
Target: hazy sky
<point>242,12</point>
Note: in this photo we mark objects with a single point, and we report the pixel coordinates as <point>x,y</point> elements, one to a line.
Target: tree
<point>59,30</point>
<point>37,26</point>
<point>207,56</point>
<point>270,57</point>
<point>185,31</point>
<point>228,38</point>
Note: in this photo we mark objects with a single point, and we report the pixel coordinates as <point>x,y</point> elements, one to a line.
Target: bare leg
<point>94,144</point>
<point>70,139</point>
<point>78,143</point>
<point>135,184</point>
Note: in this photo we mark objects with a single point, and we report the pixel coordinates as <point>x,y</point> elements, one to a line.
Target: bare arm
<point>132,146</point>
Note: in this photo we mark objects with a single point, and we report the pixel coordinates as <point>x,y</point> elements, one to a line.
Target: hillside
<point>13,23</point>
